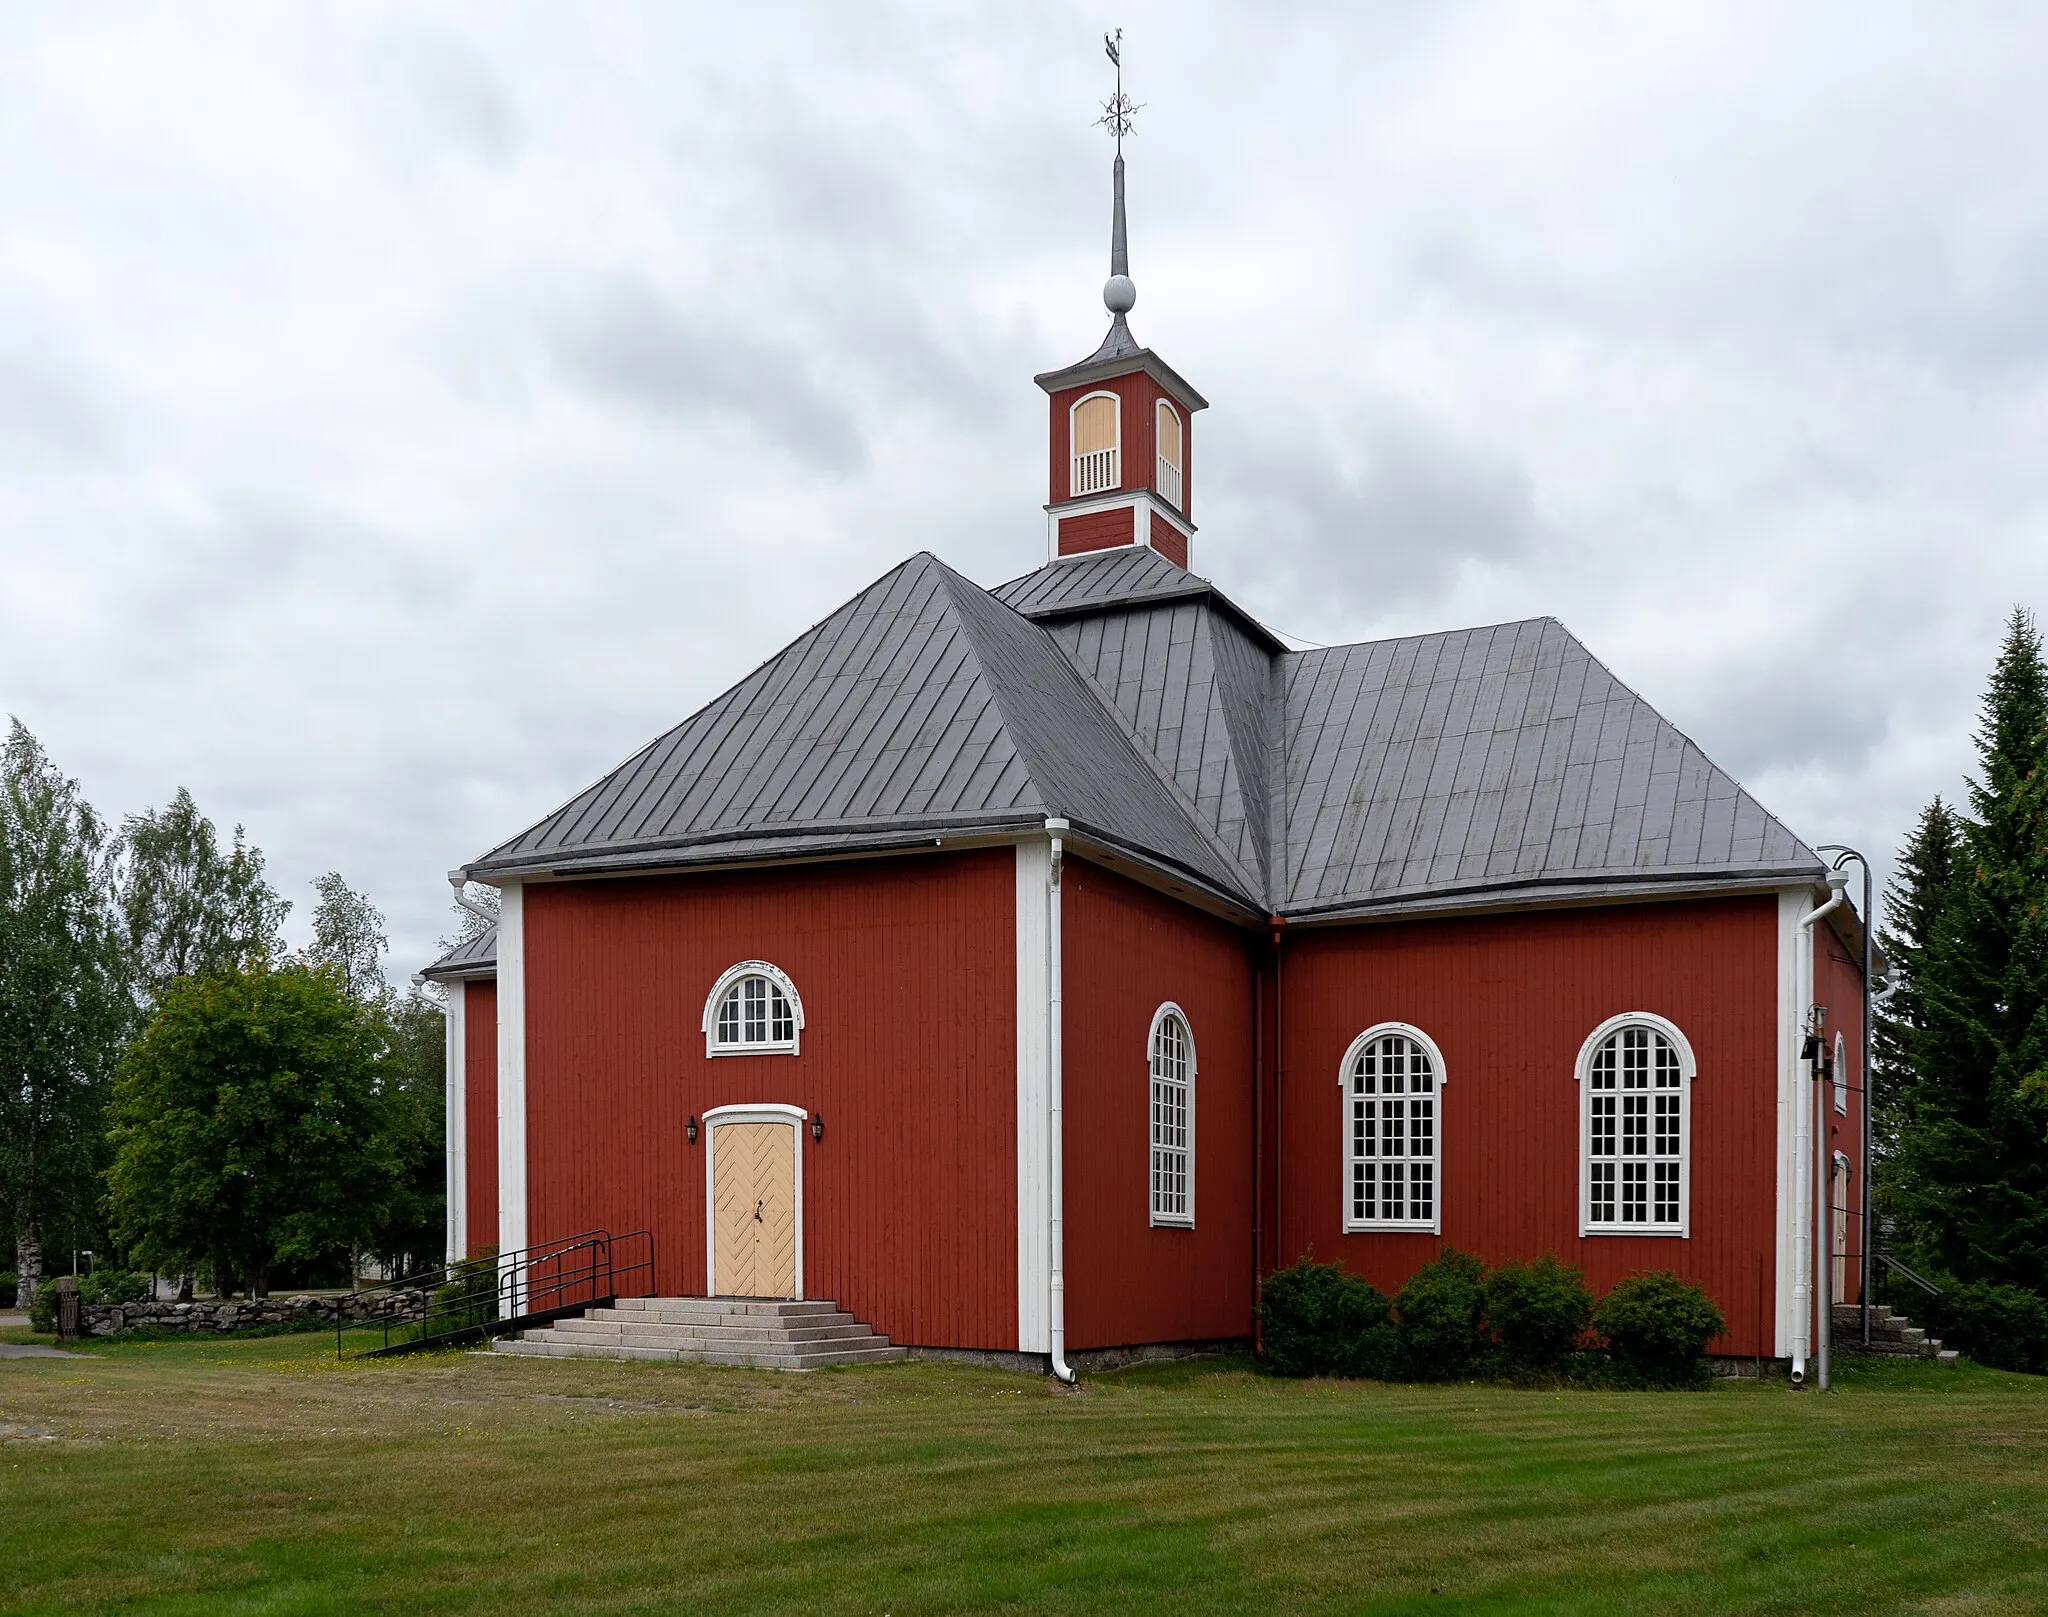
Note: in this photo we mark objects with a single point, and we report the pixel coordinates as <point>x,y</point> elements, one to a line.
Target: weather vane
<point>1119,109</point>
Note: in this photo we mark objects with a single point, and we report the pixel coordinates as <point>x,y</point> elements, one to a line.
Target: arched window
<point>1841,1076</point>
<point>1097,428</point>
<point>1635,1099</point>
<point>1169,441</point>
<point>752,1010</point>
<point>1392,1080</point>
<point>1172,1052</point>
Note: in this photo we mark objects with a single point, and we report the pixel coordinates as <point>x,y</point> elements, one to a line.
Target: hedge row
<point>1454,1319</point>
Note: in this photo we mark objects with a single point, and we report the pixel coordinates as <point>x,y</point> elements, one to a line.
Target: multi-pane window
<point>1391,1089</point>
<point>1173,1120</point>
<point>753,1010</point>
<point>1635,1126</point>
<point>1841,1075</point>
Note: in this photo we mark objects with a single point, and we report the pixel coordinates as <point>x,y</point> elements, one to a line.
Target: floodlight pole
<point>1843,854</point>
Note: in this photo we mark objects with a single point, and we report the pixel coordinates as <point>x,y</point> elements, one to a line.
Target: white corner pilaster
<point>511,1068</point>
<point>1034,1202</point>
<point>1792,904</point>
<point>458,1136</point>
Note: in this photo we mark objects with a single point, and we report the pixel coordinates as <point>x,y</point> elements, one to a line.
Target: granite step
<point>756,1333</point>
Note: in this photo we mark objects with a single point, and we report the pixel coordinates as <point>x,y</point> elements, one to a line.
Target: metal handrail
<point>490,1296</point>
<point>1899,1268</point>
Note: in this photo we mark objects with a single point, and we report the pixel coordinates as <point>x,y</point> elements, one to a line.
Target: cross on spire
<point>1119,110</point>
<point>1119,294</point>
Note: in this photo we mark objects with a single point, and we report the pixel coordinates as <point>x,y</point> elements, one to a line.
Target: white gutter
<point>1807,1287</point>
<point>1056,1286</point>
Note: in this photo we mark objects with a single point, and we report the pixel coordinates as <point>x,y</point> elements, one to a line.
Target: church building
<point>1029,971</point>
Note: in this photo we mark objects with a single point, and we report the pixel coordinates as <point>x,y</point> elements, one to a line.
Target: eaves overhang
<point>1103,370</point>
<point>1554,893</point>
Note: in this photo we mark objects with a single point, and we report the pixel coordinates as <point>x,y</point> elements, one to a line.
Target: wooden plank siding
<point>907,972</point>
<point>1126,951</point>
<point>480,1114</point>
<point>1509,1000</point>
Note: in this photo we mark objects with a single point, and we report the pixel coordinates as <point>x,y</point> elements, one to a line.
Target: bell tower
<point>1122,418</point>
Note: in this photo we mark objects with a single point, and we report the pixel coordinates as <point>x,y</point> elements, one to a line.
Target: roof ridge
<point>1250,887</point>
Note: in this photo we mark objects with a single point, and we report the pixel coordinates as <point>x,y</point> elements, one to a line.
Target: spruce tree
<point>1970,1172</point>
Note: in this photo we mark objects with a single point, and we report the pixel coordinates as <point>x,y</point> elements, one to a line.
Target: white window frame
<point>1434,1224</point>
<point>1169,476</point>
<point>729,979</point>
<point>1159,1220</point>
<point>1841,1084</point>
<point>1076,486</point>
<point>1688,1072</point>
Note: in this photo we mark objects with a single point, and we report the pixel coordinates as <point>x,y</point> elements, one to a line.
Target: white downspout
<point>460,883</point>
<point>1056,1286</point>
<point>1806,1277</point>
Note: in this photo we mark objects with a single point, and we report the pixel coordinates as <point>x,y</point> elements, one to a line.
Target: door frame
<point>794,1118</point>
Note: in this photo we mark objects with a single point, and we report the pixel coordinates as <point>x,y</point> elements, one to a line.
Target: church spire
<point>1119,292</point>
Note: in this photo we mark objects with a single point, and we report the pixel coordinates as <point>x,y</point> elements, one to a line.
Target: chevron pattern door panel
<point>753,1197</point>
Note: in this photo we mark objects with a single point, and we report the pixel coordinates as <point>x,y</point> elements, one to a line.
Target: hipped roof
<point>1494,766</point>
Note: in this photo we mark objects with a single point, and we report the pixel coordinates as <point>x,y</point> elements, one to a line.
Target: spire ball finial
<point>1119,294</point>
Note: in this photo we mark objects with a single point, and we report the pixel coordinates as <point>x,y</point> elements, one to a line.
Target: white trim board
<point>1034,1192</point>
<point>764,1112</point>
<point>512,1191</point>
<point>457,1111</point>
<point>1792,903</point>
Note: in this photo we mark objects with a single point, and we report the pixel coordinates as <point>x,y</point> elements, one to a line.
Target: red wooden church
<point>1028,971</point>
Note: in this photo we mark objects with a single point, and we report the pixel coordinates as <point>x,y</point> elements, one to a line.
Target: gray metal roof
<point>1502,765</point>
<point>923,706</point>
<point>1504,761</point>
<point>1130,575</point>
<point>474,957</point>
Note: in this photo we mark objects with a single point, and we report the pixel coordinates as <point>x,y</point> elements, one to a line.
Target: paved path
<point>32,1350</point>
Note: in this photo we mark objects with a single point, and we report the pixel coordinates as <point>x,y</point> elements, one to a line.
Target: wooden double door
<point>754,1210</point>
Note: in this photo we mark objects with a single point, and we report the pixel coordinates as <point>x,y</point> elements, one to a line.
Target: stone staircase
<point>1892,1335</point>
<point>756,1333</point>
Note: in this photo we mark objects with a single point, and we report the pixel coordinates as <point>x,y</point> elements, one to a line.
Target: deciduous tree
<point>63,1004</point>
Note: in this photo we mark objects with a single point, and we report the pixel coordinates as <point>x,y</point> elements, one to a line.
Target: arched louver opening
<point>1170,445</point>
<point>1097,438</point>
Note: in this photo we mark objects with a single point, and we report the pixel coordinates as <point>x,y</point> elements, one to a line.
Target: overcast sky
<point>406,412</point>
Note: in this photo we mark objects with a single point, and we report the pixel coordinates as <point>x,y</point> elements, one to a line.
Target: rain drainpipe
<point>1056,1153</point>
<point>1806,1099</point>
<point>1843,855</point>
<point>460,882</point>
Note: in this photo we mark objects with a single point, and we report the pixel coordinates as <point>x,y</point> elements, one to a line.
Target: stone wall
<point>221,1318</point>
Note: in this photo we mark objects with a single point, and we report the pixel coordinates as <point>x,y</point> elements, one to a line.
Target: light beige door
<point>753,1207</point>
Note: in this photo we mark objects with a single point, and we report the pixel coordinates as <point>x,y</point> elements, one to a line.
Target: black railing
<point>484,1297</point>
<point>1890,1267</point>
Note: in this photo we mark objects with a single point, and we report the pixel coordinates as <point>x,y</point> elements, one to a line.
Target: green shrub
<point>1538,1311</point>
<point>42,1313</point>
<point>1657,1328</point>
<point>105,1286</point>
<point>1441,1314</point>
<point>1316,1320</point>
<point>9,1281</point>
<point>2005,1327</point>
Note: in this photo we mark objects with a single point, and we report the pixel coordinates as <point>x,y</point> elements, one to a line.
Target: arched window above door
<point>753,1009</point>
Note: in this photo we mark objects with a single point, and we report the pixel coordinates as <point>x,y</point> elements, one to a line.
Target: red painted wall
<point>1126,951</point>
<point>907,972</point>
<point>1838,984</point>
<point>1096,530</point>
<point>1509,1000</point>
<point>480,1113</point>
<point>1169,541</point>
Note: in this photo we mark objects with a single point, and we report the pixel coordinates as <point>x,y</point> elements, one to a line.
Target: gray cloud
<point>630,342</point>
<point>404,416</point>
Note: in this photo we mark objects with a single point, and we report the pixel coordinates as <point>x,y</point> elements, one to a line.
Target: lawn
<point>260,1477</point>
